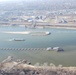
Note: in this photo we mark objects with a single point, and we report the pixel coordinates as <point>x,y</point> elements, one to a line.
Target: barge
<point>40,33</point>
<point>17,39</point>
<point>58,49</point>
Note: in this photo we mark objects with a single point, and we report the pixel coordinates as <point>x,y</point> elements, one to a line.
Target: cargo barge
<point>17,39</point>
<point>40,33</point>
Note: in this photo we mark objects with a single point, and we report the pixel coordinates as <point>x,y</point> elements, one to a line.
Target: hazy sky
<point>4,0</point>
<point>27,0</point>
<point>37,0</point>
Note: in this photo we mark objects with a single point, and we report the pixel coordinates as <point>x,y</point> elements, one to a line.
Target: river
<point>64,38</point>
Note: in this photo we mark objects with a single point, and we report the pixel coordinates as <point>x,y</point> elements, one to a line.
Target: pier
<point>23,49</point>
<point>57,49</point>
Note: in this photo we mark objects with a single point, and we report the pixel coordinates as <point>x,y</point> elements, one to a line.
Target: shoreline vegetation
<point>10,66</point>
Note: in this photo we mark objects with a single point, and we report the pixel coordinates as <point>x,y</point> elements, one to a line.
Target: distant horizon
<point>37,4</point>
<point>36,0</point>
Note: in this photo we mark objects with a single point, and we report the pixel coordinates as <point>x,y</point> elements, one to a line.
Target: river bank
<point>44,26</point>
<point>20,67</point>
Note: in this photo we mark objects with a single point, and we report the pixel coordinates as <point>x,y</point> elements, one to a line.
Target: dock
<point>57,49</point>
<point>23,49</point>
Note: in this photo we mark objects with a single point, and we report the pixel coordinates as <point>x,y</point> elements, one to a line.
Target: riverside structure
<point>47,49</point>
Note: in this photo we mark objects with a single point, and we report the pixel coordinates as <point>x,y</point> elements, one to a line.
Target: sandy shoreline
<point>63,28</point>
<point>26,32</point>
